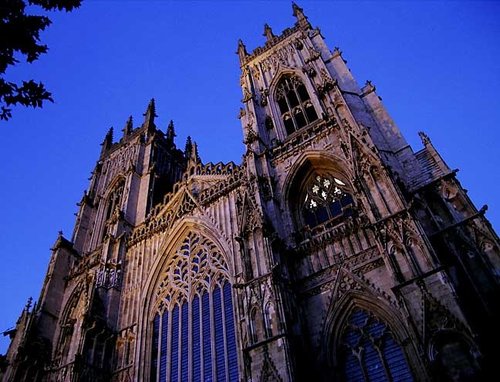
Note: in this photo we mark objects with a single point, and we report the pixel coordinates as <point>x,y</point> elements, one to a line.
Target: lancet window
<point>325,197</point>
<point>114,199</point>
<point>294,103</point>
<point>370,352</point>
<point>194,336</point>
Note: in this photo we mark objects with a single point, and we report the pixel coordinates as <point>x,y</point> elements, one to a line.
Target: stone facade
<point>332,252</point>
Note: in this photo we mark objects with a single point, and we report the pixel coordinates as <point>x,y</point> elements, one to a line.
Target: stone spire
<point>170,133</point>
<point>298,12</point>
<point>268,33</point>
<point>128,127</point>
<point>150,114</point>
<point>242,51</point>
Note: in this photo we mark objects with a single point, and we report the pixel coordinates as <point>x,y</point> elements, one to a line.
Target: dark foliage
<point>20,36</point>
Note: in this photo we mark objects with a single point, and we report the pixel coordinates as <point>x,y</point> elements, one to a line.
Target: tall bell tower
<point>348,210</point>
<point>73,327</point>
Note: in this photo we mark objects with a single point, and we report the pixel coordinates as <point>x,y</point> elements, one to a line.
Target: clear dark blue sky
<point>435,64</point>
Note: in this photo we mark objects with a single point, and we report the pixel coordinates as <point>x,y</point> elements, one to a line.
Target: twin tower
<point>333,252</point>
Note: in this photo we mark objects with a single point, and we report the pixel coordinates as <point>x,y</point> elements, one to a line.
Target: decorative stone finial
<point>129,126</point>
<point>268,33</point>
<point>368,88</point>
<point>150,114</point>
<point>188,148</point>
<point>170,132</point>
<point>108,140</point>
<point>194,154</point>
<point>191,153</point>
<point>298,12</point>
<point>28,304</point>
<point>424,138</point>
<point>242,51</point>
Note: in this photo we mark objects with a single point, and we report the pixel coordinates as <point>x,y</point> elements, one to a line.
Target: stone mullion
<point>290,109</point>
<point>224,336</point>
<point>168,364</point>
<point>159,340</point>
<point>384,361</point>
<point>202,343</point>
<point>190,338</point>
<point>362,365</point>
<point>301,103</point>
<point>212,336</point>
<point>179,344</point>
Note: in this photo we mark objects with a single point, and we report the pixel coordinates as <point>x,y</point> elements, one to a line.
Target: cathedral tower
<point>332,252</point>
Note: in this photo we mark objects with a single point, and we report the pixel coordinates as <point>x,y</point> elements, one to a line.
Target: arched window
<point>267,320</point>
<point>369,352</point>
<point>253,326</point>
<point>294,103</point>
<point>194,334</point>
<point>324,198</point>
<point>114,199</point>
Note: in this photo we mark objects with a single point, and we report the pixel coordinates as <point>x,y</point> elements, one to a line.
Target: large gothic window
<point>294,103</point>
<point>369,352</point>
<point>194,335</point>
<point>325,198</point>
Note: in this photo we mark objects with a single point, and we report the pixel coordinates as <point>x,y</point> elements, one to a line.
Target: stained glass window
<point>325,198</point>
<point>370,353</point>
<point>294,103</point>
<point>199,341</point>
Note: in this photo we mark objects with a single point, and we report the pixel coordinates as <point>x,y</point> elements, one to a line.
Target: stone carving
<point>263,98</point>
<point>108,276</point>
<point>314,54</point>
<point>190,270</point>
<point>247,95</point>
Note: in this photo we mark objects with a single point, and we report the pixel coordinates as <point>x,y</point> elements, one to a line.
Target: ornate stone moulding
<point>164,215</point>
<point>276,40</point>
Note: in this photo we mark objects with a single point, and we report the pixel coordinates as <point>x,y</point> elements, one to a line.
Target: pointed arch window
<point>294,104</point>
<point>325,197</point>
<point>114,199</point>
<point>193,336</point>
<point>369,351</point>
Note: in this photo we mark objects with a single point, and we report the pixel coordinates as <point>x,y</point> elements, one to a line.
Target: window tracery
<point>325,198</point>
<point>114,199</point>
<point>193,327</point>
<point>369,351</point>
<point>294,104</point>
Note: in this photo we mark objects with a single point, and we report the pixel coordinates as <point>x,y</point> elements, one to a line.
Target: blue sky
<point>436,66</point>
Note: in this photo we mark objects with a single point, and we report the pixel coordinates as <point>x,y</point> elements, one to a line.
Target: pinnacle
<point>150,114</point>
<point>171,132</point>
<point>129,126</point>
<point>189,147</point>
<point>268,32</point>
<point>242,50</point>
<point>298,12</point>
<point>151,108</point>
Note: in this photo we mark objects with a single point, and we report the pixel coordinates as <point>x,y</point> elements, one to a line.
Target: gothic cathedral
<point>333,252</point>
